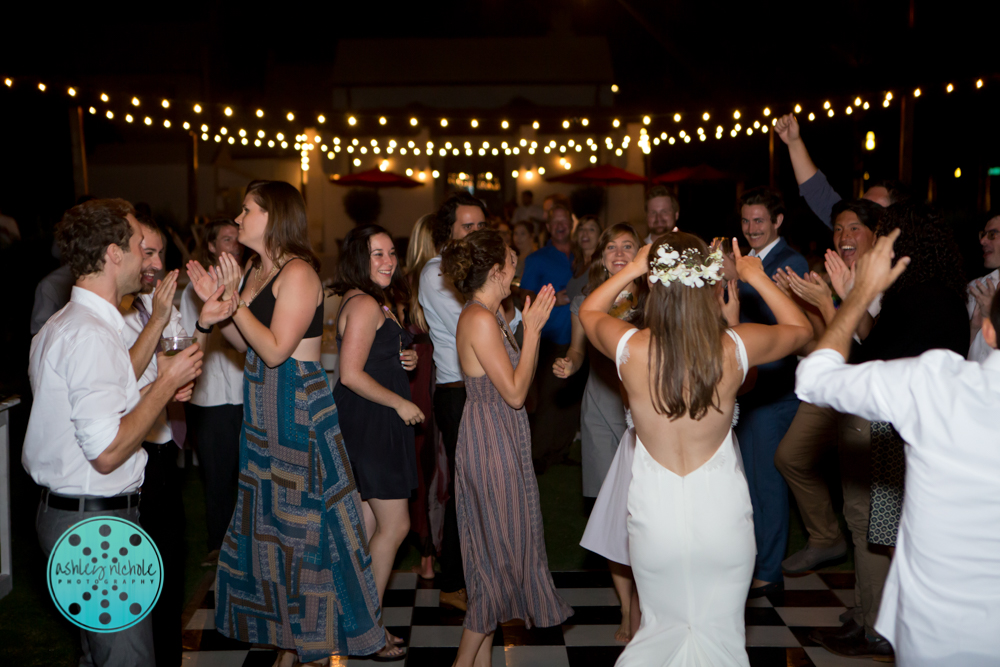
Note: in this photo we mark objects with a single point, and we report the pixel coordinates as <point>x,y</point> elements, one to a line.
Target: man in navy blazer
<point>767,410</point>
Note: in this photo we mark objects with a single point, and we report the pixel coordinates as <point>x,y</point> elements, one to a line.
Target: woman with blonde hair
<point>689,518</point>
<point>294,570</point>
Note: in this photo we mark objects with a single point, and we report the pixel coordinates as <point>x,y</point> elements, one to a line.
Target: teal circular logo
<point>105,574</point>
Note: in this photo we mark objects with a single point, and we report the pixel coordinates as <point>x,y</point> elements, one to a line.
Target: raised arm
<point>480,328</point>
<point>787,128</point>
<point>603,330</point>
<point>362,317</point>
<point>769,343</point>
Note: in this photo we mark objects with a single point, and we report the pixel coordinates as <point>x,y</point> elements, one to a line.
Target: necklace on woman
<point>256,278</point>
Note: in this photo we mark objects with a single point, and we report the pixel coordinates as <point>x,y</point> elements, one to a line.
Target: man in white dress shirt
<point>149,316</point>
<point>941,602</point>
<point>83,444</point>
<point>981,290</point>
<point>460,215</point>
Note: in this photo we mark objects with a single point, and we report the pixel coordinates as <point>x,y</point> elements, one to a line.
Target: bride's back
<point>682,444</point>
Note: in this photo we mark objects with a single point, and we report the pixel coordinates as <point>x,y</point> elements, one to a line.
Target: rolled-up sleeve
<point>97,396</point>
<point>876,390</point>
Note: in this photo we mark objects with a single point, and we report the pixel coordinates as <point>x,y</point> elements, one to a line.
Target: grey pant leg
<point>125,648</point>
<point>871,566</point>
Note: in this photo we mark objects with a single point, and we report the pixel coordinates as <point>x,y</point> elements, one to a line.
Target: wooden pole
<point>80,179</point>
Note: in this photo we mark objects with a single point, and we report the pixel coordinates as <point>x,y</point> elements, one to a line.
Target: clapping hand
<point>163,299</point>
<point>875,272</point>
<point>841,277</point>
<point>229,274</point>
<point>780,279</point>
<point>536,313</point>
<point>204,282</point>
<point>216,309</point>
<point>811,288</point>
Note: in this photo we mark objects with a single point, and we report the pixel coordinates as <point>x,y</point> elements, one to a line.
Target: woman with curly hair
<point>923,310</point>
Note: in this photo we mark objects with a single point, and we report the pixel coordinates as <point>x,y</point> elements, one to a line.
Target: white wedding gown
<point>692,550</point>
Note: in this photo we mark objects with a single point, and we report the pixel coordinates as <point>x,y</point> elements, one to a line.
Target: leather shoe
<point>848,630</point>
<point>459,599</point>
<point>812,558</point>
<point>860,646</point>
<point>761,591</point>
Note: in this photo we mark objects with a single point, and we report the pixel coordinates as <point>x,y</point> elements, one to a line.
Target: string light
<point>677,118</point>
<point>352,121</point>
<point>830,113</point>
<point>435,173</point>
<point>187,125</point>
<point>166,123</point>
<point>646,120</point>
<point>916,92</point>
<point>165,104</point>
<point>849,110</point>
<point>614,88</point>
<point>870,141</point>
<point>228,111</point>
<point>767,111</point>
<point>290,116</point>
<point>71,92</point>
<point>223,131</point>
<point>585,122</point>
<point>705,116</point>
<point>413,122</point>
<point>8,82</point>
<point>736,115</point>
<point>812,116</point>
<point>474,123</point>
<point>616,122</point>
<point>382,120</point>
<point>541,171</point>
<point>147,120</point>
<point>197,108</point>
<point>565,124</point>
<point>128,118</point>
<point>104,97</point>
<point>826,105</point>
<point>504,124</point>
<point>535,125</point>
<point>958,172</point>
<point>949,88</point>
<point>979,83</point>
<point>798,108</point>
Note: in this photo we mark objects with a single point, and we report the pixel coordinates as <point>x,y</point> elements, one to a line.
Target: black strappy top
<point>263,306</point>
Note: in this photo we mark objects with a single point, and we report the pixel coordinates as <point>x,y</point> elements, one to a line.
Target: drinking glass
<point>171,345</point>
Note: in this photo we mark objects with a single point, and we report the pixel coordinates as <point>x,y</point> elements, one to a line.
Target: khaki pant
<point>813,432</point>
<point>871,562</point>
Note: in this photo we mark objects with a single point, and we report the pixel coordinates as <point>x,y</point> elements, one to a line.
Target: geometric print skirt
<point>888,478</point>
<point>294,568</point>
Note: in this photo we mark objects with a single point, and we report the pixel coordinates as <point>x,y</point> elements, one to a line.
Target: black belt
<point>90,503</point>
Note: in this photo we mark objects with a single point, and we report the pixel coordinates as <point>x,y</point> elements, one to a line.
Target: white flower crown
<point>685,267</point>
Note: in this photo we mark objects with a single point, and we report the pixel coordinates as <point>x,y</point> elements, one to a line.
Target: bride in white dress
<point>690,523</point>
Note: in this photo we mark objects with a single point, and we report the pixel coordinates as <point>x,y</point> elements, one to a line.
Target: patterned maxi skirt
<point>294,569</point>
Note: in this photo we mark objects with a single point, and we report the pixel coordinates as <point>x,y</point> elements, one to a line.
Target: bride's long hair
<point>686,328</point>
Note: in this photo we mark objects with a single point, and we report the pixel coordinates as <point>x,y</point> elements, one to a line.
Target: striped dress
<point>499,516</point>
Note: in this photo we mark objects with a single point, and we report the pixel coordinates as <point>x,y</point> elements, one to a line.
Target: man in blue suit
<point>768,409</point>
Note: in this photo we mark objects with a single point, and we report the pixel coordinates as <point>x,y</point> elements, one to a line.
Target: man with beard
<point>149,317</point>
<point>557,415</point>
<point>88,418</point>
<point>662,212</point>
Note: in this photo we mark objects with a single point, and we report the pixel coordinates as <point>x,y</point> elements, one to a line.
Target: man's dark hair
<point>444,219</point>
<point>898,190</point>
<point>868,212</point>
<point>527,192</point>
<point>86,231</point>
<point>769,199</point>
<point>354,268</point>
<point>662,191</point>
<point>995,312</point>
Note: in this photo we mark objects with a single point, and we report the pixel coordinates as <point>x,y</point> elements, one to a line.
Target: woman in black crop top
<point>297,500</point>
<point>373,393</point>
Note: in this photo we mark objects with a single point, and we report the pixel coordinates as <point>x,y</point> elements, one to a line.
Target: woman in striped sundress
<point>499,516</point>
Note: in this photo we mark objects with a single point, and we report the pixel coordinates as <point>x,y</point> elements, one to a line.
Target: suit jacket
<point>776,380</point>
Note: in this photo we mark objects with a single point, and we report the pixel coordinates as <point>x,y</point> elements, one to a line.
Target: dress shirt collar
<point>101,307</point>
<point>768,248</point>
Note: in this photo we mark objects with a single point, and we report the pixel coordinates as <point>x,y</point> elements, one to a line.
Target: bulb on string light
<point>865,105</point>
<point>949,87</point>
<point>535,125</point>
<point>756,124</point>
<point>204,137</point>
<point>565,124</point>
<point>826,105</point>
<point>128,118</point>
<point>243,132</point>
<point>232,140</point>
<point>616,122</point>
<point>166,124</point>
<point>413,122</point>
<point>585,122</point>
<point>8,82</point>
<point>767,111</point>
<point>812,116</point>
<point>186,125</point>
<point>165,104</point>
<point>290,116</point>
<point>830,113</point>
<point>614,88</point>
<point>357,162</point>
<point>958,172</point>
<point>104,97</point>
<point>798,108</point>
<point>223,130</point>
<point>736,115</point>
<point>352,121</point>
<point>71,92</point>
<point>870,141</point>
<point>504,125</point>
<point>270,143</point>
<point>979,83</point>
<point>646,120</point>
<point>888,96</point>
<point>422,176</point>
<point>147,120</point>
<point>382,120</point>
<point>197,108</point>
<point>435,173</point>
<point>228,111</point>
<point>916,93</point>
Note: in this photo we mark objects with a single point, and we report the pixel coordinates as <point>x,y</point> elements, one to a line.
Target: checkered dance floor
<point>777,627</point>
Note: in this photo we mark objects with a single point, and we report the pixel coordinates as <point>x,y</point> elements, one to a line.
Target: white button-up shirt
<point>979,350</point>
<point>442,307</point>
<point>221,380</point>
<point>160,432</point>
<point>766,249</point>
<point>83,384</point>
<point>941,601</point>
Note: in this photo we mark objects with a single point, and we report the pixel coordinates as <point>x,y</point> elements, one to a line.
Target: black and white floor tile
<point>777,627</point>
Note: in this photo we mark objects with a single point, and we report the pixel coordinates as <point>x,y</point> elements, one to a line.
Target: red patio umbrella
<point>376,178</point>
<point>604,174</point>
<point>702,172</point>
